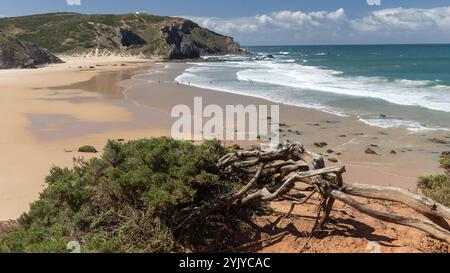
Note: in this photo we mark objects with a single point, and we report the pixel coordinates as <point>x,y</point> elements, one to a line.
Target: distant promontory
<point>133,34</point>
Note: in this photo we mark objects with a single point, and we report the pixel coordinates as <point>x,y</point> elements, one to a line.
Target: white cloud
<point>281,20</point>
<point>405,19</point>
<point>73,2</point>
<point>381,26</point>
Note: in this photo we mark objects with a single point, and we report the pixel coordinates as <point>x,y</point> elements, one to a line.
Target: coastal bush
<point>437,187</point>
<point>87,149</point>
<point>139,196</point>
<point>445,161</point>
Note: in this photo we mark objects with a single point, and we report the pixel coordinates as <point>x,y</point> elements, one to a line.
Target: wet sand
<point>60,108</point>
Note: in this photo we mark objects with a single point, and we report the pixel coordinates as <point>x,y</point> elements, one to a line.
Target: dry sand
<point>348,231</point>
<point>26,95</point>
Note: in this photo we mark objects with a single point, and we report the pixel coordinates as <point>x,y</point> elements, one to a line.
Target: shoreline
<point>81,106</point>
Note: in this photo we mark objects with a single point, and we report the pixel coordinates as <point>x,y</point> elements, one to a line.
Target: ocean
<point>405,86</point>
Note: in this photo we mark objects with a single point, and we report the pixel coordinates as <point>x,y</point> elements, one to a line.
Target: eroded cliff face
<point>186,39</point>
<point>178,39</point>
<point>17,54</point>
<point>115,38</point>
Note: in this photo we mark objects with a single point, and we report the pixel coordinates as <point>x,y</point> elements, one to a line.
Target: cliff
<point>17,54</point>
<point>167,37</point>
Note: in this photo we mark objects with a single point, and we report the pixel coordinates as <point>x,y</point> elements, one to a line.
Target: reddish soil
<point>349,231</point>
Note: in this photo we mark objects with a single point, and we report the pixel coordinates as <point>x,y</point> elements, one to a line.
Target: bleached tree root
<point>275,173</point>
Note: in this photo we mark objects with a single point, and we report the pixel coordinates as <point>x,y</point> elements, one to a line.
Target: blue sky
<point>210,8</point>
<point>287,21</point>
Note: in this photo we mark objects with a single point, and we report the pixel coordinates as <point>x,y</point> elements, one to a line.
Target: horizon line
<point>361,44</point>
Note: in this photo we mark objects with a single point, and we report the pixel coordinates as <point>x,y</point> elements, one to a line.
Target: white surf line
<point>274,100</point>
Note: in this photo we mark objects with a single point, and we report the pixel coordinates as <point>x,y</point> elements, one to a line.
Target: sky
<point>281,22</point>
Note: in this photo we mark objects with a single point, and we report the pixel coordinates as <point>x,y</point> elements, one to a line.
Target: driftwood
<point>274,173</point>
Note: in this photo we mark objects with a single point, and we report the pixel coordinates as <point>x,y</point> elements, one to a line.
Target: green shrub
<point>140,196</point>
<point>445,161</point>
<point>437,187</point>
<point>87,149</point>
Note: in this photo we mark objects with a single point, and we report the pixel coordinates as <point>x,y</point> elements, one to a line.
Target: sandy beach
<point>42,127</point>
<point>49,112</point>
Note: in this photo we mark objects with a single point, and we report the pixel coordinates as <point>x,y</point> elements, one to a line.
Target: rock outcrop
<point>115,38</point>
<point>186,39</point>
<point>17,54</point>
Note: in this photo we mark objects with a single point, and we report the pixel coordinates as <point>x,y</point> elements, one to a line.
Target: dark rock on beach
<point>320,144</point>
<point>369,151</point>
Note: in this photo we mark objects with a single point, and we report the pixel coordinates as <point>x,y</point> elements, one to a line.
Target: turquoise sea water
<point>409,84</point>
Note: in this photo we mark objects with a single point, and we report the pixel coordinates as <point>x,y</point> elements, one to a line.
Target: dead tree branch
<point>276,172</point>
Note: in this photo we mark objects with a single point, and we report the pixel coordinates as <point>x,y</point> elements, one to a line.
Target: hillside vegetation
<point>168,37</point>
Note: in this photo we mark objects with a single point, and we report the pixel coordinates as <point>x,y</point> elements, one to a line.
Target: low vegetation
<point>87,149</point>
<point>140,196</point>
<point>62,32</point>
<point>437,187</point>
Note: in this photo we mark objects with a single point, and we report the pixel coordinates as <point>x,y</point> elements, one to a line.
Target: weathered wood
<point>329,206</point>
<point>426,206</point>
<point>265,195</point>
<point>290,163</point>
<point>424,225</point>
<point>250,184</point>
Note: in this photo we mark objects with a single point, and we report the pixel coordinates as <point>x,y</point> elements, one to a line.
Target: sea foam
<point>284,80</point>
<point>410,125</point>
